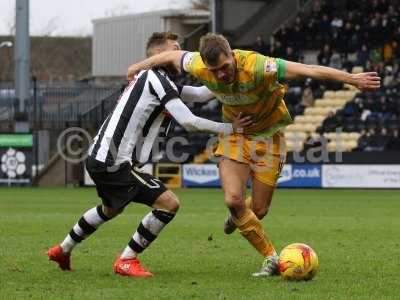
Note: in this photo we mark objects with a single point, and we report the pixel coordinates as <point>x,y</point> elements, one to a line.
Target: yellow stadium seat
<point>291,146</point>
<point>350,145</point>
<point>329,94</point>
<point>319,119</point>
<point>355,135</point>
<point>310,127</point>
<point>357,69</point>
<point>289,135</point>
<point>300,119</point>
<point>331,146</point>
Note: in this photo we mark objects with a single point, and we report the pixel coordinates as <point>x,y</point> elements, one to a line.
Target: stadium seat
<point>357,69</point>
<point>329,94</point>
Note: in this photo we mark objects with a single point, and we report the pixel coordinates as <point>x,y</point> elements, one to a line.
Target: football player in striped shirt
<point>122,145</point>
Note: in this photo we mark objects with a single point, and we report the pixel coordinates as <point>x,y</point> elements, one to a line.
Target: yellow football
<point>298,262</point>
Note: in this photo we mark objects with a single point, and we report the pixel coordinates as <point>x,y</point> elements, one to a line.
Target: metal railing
<point>59,104</point>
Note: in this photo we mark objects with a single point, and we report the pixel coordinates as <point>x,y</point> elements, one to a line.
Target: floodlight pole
<point>21,54</point>
<point>213,16</point>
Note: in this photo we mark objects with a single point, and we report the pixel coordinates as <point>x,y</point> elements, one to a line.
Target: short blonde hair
<point>158,39</point>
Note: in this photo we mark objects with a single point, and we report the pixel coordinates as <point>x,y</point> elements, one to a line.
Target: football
<point>298,262</point>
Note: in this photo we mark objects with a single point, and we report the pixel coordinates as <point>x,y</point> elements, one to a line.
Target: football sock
<point>147,231</point>
<point>86,225</point>
<point>249,203</point>
<point>251,229</point>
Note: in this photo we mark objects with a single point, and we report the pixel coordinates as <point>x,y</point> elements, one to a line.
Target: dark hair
<point>158,39</point>
<point>212,46</point>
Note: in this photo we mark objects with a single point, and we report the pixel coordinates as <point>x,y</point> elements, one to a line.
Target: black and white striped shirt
<point>135,121</point>
<point>129,132</point>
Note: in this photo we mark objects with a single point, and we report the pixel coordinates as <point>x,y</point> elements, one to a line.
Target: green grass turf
<point>355,233</point>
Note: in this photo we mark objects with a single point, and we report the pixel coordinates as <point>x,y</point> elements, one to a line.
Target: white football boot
<point>269,267</point>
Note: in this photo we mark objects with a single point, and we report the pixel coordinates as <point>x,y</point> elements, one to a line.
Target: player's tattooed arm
<point>362,81</point>
<point>172,58</point>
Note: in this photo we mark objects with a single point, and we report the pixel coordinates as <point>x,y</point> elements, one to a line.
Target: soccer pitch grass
<point>355,234</point>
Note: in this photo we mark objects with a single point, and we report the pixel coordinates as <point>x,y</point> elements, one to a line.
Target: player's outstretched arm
<point>362,81</point>
<point>161,59</point>
<point>198,94</point>
<point>182,114</point>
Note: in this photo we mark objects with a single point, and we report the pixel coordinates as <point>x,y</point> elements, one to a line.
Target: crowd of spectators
<point>376,115</point>
<point>379,140</point>
<point>344,34</point>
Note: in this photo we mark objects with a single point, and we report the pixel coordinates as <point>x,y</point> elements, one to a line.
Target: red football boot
<point>130,267</point>
<point>56,254</point>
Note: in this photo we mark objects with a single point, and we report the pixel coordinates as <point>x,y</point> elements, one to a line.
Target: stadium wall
<point>377,176</point>
<point>308,176</point>
<point>120,41</point>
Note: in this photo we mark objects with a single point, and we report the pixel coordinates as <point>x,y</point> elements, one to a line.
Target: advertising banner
<point>16,159</point>
<point>300,176</point>
<point>361,176</point>
<point>206,175</point>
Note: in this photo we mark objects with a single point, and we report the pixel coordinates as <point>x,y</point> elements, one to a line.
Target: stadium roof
<point>186,13</point>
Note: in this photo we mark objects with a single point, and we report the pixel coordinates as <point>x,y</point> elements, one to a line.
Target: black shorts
<point>117,186</point>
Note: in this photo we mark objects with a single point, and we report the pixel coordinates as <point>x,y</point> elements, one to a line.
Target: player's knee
<point>112,212</point>
<point>173,204</point>
<point>234,201</point>
<point>168,201</point>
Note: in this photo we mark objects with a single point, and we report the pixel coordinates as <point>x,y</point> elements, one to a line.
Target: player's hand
<point>239,123</point>
<point>132,71</point>
<point>366,81</point>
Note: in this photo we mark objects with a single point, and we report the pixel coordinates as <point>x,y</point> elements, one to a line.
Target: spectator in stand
<point>276,49</point>
<point>374,32</point>
<point>311,31</point>
<point>316,9</point>
<point>325,29</point>
<point>388,50</point>
<point>307,98</point>
<point>337,23</point>
<point>388,76</point>
<point>330,123</point>
<point>282,36</point>
<point>377,140</point>
<point>351,109</point>
<point>259,45</point>
<point>347,38</point>
<point>387,27</point>
<point>380,140</point>
<point>298,22</point>
<point>336,60</point>
<point>385,113</point>
<point>394,141</point>
<point>297,37</point>
<point>375,56</point>
<point>319,142</point>
<point>291,54</point>
<point>362,56</point>
<point>363,141</point>
<point>324,56</point>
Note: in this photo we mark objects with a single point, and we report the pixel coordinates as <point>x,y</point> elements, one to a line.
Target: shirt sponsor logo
<point>270,67</point>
